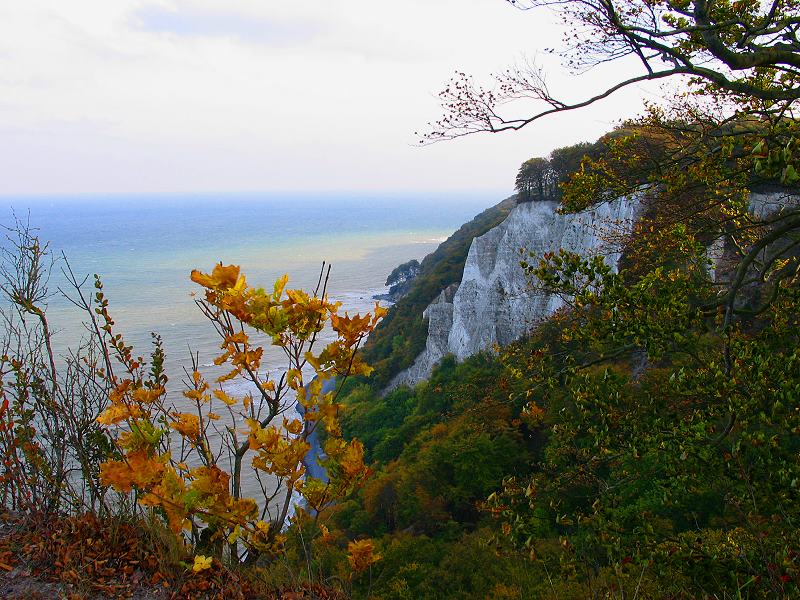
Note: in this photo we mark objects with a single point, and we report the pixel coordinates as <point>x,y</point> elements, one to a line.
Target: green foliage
<point>541,178</point>
<point>670,396</point>
<point>401,273</point>
<point>535,180</point>
<point>444,446</point>
<point>655,417</point>
<point>423,567</point>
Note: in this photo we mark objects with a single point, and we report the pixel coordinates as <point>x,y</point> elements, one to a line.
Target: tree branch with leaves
<point>740,50</point>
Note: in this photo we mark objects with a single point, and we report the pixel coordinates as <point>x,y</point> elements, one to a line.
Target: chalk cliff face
<point>494,304</point>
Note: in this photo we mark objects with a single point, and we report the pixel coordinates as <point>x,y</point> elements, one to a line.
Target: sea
<point>144,248</point>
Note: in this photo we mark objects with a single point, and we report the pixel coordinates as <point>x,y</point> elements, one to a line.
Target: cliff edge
<point>495,304</point>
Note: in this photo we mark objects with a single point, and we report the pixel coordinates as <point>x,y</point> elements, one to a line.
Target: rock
<point>400,280</point>
<point>495,303</point>
<point>439,315</point>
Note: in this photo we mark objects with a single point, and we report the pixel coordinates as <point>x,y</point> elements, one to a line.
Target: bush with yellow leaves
<point>173,460</point>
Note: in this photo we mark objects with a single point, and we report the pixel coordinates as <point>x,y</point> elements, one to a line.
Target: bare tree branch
<point>744,52</point>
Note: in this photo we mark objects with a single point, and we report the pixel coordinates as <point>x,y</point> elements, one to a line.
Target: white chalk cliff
<point>495,304</point>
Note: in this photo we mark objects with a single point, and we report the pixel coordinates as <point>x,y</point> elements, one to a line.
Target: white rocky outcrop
<point>495,304</point>
<point>439,315</point>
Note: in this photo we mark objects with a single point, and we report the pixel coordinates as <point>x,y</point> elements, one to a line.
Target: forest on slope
<point>654,420</point>
<point>609,451</point>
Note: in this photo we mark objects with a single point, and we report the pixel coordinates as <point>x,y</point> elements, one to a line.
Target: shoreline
<point>314,456</point>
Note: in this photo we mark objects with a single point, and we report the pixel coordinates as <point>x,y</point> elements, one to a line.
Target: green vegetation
<point>439,451</point>
<point>655,419</point>
<point>541,178</point>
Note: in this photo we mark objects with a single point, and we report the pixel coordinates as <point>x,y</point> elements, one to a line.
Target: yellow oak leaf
<point>352,460</point>
<point>294,426</point>
<point>221,278</point>
<point>201,563</point>
<point>139,469</point>
<point>221,395</point>
<point>239,337</point>
<point>187,424</point>
<point>279,286</point>
<point>361,555</point>
<point>119,412</point>
<point>169,495</point>
<point>211,482</point>
<point>145,396</point>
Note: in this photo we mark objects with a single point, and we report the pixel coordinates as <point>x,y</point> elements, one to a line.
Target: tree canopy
<point>535,179</point>
<point>746,50</point>
<point>541,178</point>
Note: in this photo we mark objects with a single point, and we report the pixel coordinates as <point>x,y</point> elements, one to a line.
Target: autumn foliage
<point>183,463</point>
<point>175,462</point>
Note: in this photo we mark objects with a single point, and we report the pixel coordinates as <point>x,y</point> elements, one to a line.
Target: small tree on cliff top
<point>534,180</point>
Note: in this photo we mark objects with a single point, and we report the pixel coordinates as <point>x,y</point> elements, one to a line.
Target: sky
<point>181,96</point>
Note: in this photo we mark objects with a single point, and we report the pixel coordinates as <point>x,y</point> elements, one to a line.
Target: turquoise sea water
<point>144,247</point>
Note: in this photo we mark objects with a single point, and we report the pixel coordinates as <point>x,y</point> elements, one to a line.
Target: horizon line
<point>252,193</point>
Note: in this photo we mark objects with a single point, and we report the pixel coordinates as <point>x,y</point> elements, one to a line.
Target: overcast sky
<point>130,96</point>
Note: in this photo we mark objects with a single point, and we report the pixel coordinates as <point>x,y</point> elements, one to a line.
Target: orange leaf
<point>221,278</point>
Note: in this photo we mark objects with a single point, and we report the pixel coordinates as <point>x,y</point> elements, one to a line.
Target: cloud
<point>193,21</point>
<point>183,95</point>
